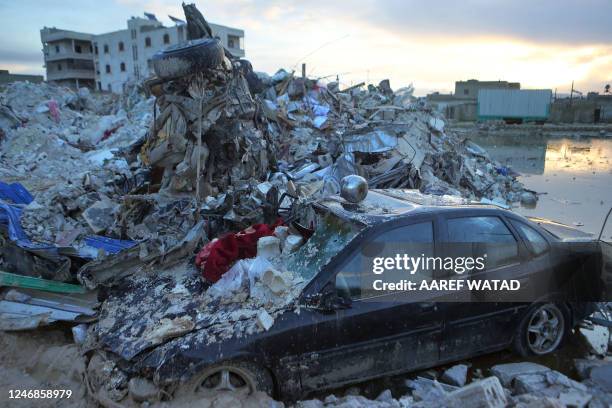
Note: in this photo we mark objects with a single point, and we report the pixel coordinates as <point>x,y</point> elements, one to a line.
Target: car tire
<point>542,329</point>
<point>233,376</point>
<point>188,57</point>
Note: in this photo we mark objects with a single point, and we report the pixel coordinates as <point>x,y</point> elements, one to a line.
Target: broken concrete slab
<point>584,366</point>
<point>483,393</point>
<point>507,372</point>
<point>141,389</point>
<point>100,216</point>
<point>529,383</point>
<point>602,376</point>
<point>264,320</point>
<point>456,375</point>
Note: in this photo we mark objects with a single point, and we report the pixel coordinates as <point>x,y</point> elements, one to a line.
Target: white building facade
<point>126,55</point>
<point>68,57</point>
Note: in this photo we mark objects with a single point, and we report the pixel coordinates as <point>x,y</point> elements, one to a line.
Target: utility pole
<point>304,70</point>
<point>572,93</point>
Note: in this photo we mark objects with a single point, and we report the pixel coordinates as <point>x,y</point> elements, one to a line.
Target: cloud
<point>541,44</point>
<point>549,21</point>
<point>20,56</point>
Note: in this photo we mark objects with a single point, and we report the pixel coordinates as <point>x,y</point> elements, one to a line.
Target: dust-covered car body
<point>330,337</point>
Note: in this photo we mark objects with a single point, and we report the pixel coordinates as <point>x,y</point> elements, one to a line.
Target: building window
<point>134,52</point>
<point>106,48</point>
<point>180,33</point>
<point>96,48</point>
<point>59,67</point>
<point>466,91</point>
<point>99,86</point>
<point>133,34</point>
<point>233,41</point>
<point>108,70</point>
<point>77,49</point>
<point>122,66</point>
<point>148,42</point>
<point>110,89</point>
<point>166,39</point>
<point>57,49</point>
<point>149,64</point>
<point>121,48</point>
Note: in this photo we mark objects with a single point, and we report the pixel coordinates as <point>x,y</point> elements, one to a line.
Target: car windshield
<point>330,237</point>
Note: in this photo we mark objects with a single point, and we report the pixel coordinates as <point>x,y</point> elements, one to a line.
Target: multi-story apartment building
<point>125,55</point>
<point>68,57</point>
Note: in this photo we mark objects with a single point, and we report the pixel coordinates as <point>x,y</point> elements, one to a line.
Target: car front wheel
<point>542,330</point>
<point>238,377</point>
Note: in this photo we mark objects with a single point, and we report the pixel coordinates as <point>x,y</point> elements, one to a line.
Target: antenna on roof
<point>150,16</point>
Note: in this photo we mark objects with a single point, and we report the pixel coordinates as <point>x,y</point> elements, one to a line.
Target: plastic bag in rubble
<point>403,97</point>
<point>240,278</point>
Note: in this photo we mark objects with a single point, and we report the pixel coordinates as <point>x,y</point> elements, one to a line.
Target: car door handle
<point>428,306</point>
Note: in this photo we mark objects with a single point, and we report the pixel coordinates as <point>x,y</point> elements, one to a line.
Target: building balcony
<point>59,35</point>
<point>68,55</point>
<point>71,74</point>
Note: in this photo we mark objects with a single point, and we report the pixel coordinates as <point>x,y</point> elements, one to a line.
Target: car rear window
<point>487,236</point>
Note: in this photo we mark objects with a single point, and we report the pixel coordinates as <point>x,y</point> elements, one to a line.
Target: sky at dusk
<point>431,44</point>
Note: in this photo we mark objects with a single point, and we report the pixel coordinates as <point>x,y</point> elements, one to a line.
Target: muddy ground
<point>49,359</point>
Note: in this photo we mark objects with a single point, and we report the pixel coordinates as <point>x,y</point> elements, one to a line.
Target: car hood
<point>152,309</point>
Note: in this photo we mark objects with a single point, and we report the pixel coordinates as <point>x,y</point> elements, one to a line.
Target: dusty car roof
<point>381,204</point>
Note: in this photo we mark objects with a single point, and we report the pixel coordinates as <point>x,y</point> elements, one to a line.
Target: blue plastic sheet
<point>110,245</point>
<point>10,215</point>
<point>16,193</point>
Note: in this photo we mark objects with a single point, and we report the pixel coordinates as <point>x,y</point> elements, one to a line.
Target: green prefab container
<point>527,105</point>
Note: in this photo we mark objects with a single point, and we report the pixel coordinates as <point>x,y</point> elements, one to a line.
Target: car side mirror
<point>327,300</point>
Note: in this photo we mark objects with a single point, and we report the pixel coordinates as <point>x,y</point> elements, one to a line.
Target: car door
<point>380,333</point>
<point>486,321</point>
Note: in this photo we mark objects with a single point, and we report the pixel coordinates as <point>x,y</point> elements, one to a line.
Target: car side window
<point>487,236</point>
<point>356,277</point>
<point>539,245</point>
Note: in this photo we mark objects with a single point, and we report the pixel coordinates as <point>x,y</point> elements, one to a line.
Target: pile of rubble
<point>121,193</point>
<point>132,173</point>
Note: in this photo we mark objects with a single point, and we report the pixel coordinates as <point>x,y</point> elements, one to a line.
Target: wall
<point>6,77</point>
<point>581,110</point>
<point>469,89</point>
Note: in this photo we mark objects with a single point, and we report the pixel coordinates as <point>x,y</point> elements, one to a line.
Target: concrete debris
<point>508,372</point>
<point>268,247</point>
<point>264,320</point>
<point>456,375</point>
<point>141,389</point>
<point>483,393</point>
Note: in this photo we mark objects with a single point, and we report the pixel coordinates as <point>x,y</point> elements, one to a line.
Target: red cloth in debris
<point>216,257</point>
<point>54,110</point>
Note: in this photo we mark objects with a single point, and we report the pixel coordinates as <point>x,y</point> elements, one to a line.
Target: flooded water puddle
<point>572,175</point>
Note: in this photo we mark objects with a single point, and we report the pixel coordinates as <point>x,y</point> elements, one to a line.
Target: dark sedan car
<point>342,330</point>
